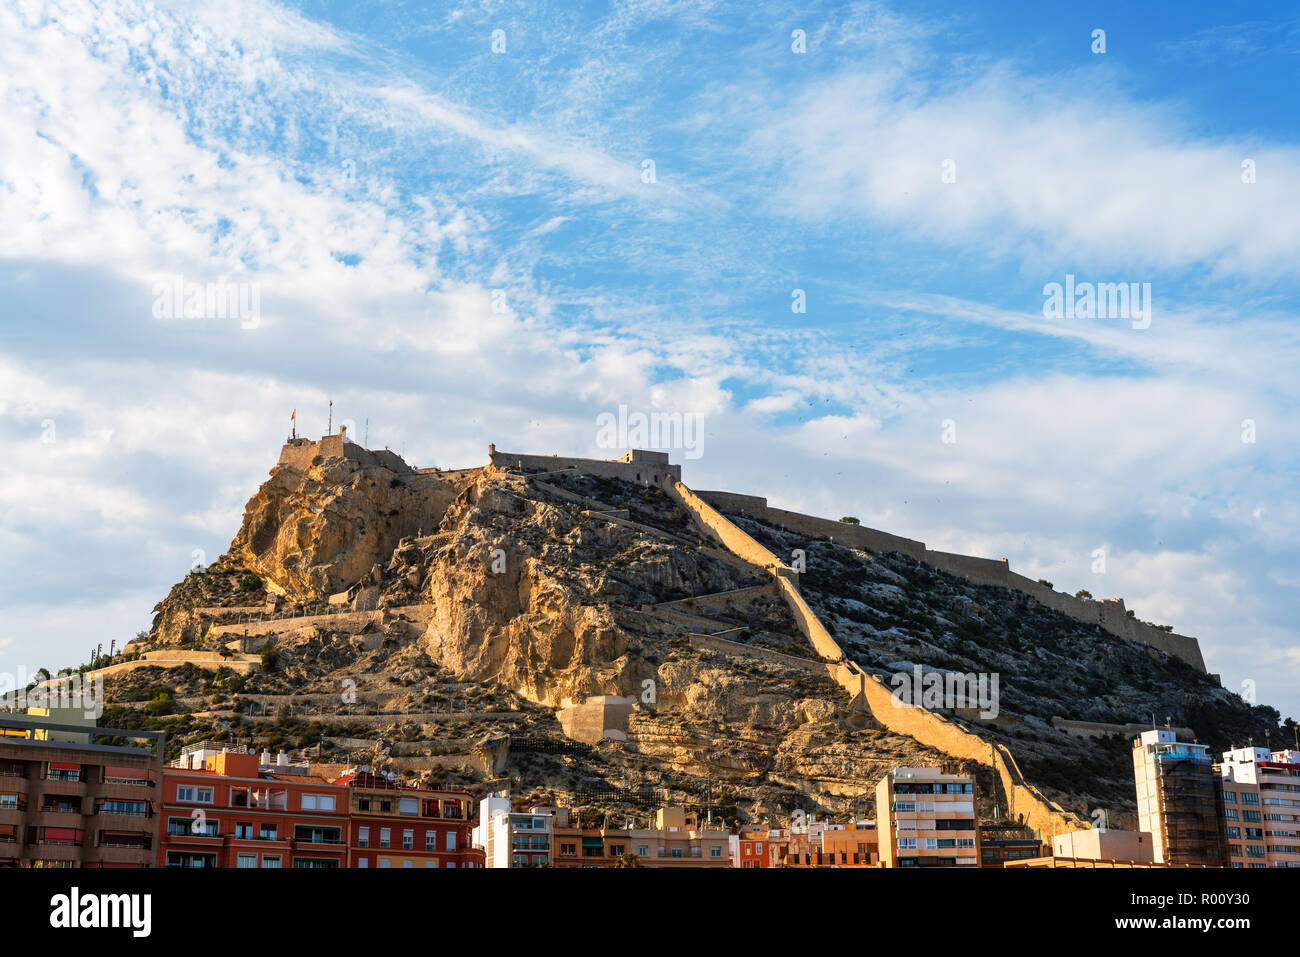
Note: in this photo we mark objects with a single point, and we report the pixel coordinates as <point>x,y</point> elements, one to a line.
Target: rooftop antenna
<point>329,429</point>
<point>366,440</point>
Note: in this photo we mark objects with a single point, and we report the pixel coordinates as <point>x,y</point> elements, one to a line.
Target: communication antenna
<point>329,429</point>
<point>366,439</point>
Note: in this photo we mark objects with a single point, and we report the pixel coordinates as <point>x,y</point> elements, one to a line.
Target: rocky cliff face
<point>315,532</point>
<point>498,597</point>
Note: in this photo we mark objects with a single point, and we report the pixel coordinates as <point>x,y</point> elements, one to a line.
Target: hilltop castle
<point>652,468</point>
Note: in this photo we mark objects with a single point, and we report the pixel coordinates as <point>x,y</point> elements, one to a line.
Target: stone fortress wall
<point>637,465</point>
<point>1109,613</point>
<point>868,692</point>
<point>300,453</point>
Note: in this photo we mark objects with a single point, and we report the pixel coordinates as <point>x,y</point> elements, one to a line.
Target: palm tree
<point>629,860</point>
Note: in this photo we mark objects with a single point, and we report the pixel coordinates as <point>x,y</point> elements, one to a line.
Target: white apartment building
<point>1261,807</point>
<point>511,838</point>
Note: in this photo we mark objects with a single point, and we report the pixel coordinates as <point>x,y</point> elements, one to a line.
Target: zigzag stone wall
<point>1109,613</point>
<point>868,692</point>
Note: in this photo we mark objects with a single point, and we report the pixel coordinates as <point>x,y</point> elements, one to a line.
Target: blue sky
<point>381,177</point>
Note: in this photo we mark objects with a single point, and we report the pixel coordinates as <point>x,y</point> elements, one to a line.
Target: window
<point>314,862</point>
<point>267,833</point>
<point>128,808</point>
<point>408,839</point>
<point>64,772</point>
<point>385,806</point>
<point>244,832</point>
<point>385,837</point>
<point>1249,797</point>
<point>1230,814</point>
<point>246,860</point>
<point>191,794</point>
<point>431,840</point>
<point>1252,816</point>
<point>643,850</point>
<point>715,851</point>
<point>363,837</point>
<point>363,862</point>
<point>311,834</point>
<point>318,802</point>
<point>363,804</point>
<point>568,850</point>
<point>408,806</point>
<point>433,863</point>
<point>451,840</point>
<point>406,864</point>
<point>1230,797</point>
<point>197,826</point>
<point>270,861</point>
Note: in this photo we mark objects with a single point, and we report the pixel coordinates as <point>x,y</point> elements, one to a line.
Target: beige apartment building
<point>1178,799</point>
<point>66,801</point>
<point>677,839</point>
<point>1261,807</point>
<point>926,818</point>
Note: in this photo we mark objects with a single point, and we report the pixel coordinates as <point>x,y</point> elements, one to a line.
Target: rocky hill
<point>443,624</point>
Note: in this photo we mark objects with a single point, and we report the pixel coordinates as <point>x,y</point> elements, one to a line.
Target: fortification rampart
<point>1109,613</point>
<point>637,466</point>
<point>299,453</point>
<point>869,692</point>
<point>721,529</point>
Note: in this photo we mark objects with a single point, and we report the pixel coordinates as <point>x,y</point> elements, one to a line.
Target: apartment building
<point>513,839</point>
<point>1261,807</point>
<point>748,849</point>
<point>676,838</point>
<point>854,844</point>
<point>66,801</point>
<point>1178,799</point>
<point>926,818</point>
<point>395,825</point>
<point>230,809</point>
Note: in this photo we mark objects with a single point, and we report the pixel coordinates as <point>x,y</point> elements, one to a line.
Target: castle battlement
<point>300,453</point>
<point>639,466</point>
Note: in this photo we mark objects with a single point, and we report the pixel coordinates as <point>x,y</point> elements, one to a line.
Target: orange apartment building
<point>1261,807</point>
<point>749,849</point>
<point>229,809</point>
<point>68,802</point>
<point>926,818</point>
<point>402,826</point>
